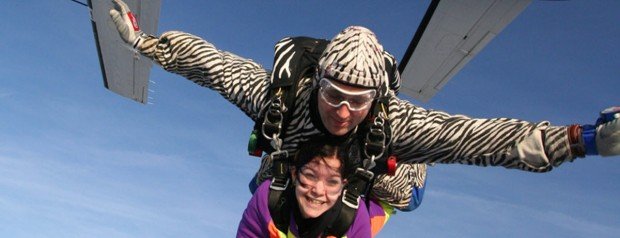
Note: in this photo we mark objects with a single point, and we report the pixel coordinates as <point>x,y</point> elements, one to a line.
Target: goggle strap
<point>347,92</point>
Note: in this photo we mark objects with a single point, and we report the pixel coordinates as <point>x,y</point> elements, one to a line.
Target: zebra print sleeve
<point>391,67</point>
<point>241,81</point>
<point>427,136</point>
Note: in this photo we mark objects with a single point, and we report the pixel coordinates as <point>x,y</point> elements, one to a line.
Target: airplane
<point>448,37</point>
<point>124,70</point>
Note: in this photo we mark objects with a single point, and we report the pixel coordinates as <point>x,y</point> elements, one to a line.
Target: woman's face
<point>318,185</point>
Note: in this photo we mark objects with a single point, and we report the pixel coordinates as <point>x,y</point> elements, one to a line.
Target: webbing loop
<point>374,145</point>
<point>272,124</point>
<point>280,178</point>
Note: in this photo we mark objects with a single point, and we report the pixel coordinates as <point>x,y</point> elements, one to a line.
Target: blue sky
<point>79,161</point>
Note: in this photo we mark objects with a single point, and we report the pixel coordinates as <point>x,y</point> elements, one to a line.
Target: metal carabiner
<point>276,143</point>
<point>277,104</point>
<point>377,132</point>
<point>379,121</point>
<point>369,163</point>
<point>276,133</point>
<point>274,112</point>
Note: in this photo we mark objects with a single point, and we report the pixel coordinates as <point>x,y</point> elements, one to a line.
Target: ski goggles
<point>336,96</point>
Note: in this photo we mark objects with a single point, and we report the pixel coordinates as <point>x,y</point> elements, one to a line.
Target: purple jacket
<point>257,222</point>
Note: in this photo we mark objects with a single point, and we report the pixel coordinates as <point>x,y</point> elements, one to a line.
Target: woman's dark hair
<point>347,152</point>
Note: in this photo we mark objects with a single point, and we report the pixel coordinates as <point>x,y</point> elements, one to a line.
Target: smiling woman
<point>319,172</point>
<point>318,181</point>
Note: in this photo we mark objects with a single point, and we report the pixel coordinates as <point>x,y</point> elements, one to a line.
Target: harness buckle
<point>279,155</point>
<point>279,166</point>
<point>279,184</point>
<point>374,145</point>
<point>351,200</point>
<point>367,175</point>
<point>280,179</point>
<point>351,195</point>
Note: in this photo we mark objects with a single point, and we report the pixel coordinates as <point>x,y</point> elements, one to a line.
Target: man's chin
<point>339,131</point>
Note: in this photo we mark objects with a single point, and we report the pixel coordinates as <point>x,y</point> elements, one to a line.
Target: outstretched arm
<point>241,81</point>
<point>426,136</point>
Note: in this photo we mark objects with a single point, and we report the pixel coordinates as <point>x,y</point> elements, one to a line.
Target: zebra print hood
<point>354,57</point>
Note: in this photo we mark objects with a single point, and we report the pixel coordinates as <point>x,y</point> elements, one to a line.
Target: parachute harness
<point>375,143</point>
<point>268,133</point>
<point>271,130</point>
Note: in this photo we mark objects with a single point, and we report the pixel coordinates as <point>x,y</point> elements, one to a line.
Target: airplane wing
<point>450,35</point>
<point>125,71</point>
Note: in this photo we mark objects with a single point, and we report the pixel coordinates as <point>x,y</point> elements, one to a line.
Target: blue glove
<point>604,137</point>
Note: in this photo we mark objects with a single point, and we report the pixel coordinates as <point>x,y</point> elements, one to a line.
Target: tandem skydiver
<point>320,170</point>
<point>337,98</point>
<point>343,103</point>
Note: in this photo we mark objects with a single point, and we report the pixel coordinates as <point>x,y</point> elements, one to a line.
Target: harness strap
<point>279,208</point>
<point>280,170</point>
<point>278,204</point>
<point>350,199</point>
<point>378,139</point>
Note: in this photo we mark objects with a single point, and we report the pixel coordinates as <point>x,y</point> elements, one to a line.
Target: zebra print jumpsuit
<point>419,136</point>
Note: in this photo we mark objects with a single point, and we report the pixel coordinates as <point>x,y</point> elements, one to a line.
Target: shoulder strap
<point>350,199</point>
<point>280,207</point>
<point>294,58</point>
